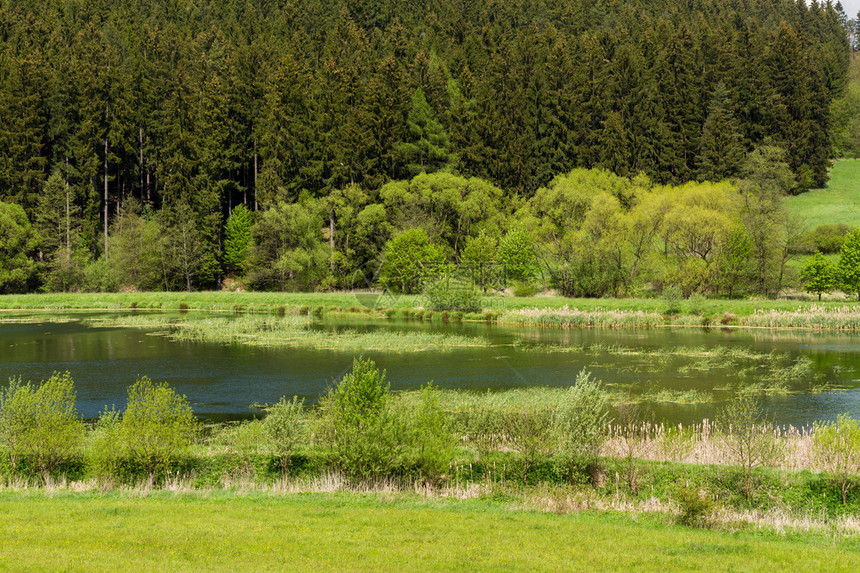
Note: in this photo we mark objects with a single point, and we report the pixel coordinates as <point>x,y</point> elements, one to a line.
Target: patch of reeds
<point>567,317</point>
<point>291,331</point>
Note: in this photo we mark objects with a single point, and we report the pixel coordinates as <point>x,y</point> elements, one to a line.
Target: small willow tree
<point>40,424</point>
<point>157,425</point>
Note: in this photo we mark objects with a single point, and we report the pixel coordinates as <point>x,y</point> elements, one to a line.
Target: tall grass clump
<point>566,317</point>
<point>40,424</point>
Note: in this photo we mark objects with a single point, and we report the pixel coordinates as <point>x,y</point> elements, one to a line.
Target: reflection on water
<point>223,381</point>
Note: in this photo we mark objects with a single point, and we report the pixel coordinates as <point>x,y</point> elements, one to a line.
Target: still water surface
<point>225,381</point>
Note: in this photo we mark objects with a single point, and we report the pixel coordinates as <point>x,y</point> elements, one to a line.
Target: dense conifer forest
<point>132,131</point>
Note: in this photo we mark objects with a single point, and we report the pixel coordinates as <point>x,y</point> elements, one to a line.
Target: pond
<point>684,375</point>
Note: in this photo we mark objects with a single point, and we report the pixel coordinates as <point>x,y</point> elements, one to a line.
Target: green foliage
<point>836,449</point>
<point>237,239</point>
<point>478,257</point>
<point>825,238</point>
<point>452,293</point>
<point>427,435</point>
<point>516,253</point>
<point>357,424</point>
<point>285,429</point>
<point>818,275</point>
<point>157,425</point>
<point>579,422</point>
<point>18,241</point>
<point>426,149</point>
<point>104,446</point>
<point>749,438</point>
<point>696,508</point>
<point>848,268</point>
<point>410,259</point>
<point>289,251</point>
<point>40,424</point>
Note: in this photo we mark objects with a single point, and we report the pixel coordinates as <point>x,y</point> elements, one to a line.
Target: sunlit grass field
<point>360,532</point>
<point>838,202</point>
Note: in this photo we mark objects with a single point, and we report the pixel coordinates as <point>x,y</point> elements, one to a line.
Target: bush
<point>40,424</point>
<point>410,260</point>
<point>450,294</point>
<point>357,425</point>
<point>427,434</point>
<point>158,424</point>
<point>696,507</point>
<point>827,239</point>
<point>522,288</point>
<point>749,438</point>
<point>579,423</point>
<point>104,451</point>
<point>673,296</point>
<point>285,429</point>
<point>836,448</point>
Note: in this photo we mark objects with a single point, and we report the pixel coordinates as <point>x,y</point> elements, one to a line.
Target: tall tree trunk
<point>255,178</point>
<point>140,161</point>
<point>106,196</point>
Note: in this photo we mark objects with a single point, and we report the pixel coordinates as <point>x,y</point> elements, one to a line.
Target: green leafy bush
<point>426,434</point>
<point>285,429</point>
<point>836,448</point>
<point>104,446</point>
<point>410,260</point>
<point>357,425</point>
<point>40,424</point>
<point>157,425</point>
<point>579,423</point>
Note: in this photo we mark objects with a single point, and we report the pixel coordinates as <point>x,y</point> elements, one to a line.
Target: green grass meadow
<point>356,532</point>
<point>838,202</point>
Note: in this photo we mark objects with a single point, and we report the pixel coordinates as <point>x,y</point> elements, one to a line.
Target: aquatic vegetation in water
<point>290,330</point>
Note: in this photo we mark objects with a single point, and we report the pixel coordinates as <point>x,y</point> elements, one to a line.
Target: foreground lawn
<point>838,202</point>
<point>223,531</point>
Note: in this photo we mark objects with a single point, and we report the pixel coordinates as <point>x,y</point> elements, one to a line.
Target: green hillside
<point>837,202</point>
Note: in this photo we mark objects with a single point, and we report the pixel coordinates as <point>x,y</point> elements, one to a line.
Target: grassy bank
<point>549,311</point>
<point>224,531</point>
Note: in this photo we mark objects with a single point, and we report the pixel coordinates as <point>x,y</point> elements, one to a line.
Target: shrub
<point>450,294</point>
<point>529,432</point>
<point>523,288</point>
<point>104,451</point>
<point>673,296</point>
<point>356,422</point>
<point>836,448</point>
<point>244,440</point>
<point>410,259</point>
<point>748,437</point>
<point>579,423</point>
<point>426,432</point>
<point>517,254</point>
<point>695,506</point>
<point>157,425</point>
<point>285,429</point>
<point>40,423</point>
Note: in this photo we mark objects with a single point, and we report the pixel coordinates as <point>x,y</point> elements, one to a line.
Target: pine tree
<point>426,149</point>
<point>721,151</point>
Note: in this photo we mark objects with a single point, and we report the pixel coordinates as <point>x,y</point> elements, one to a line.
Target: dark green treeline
<point>191,107</point>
